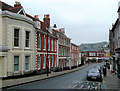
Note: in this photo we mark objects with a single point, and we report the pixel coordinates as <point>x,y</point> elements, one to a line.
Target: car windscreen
<point>94,71</point>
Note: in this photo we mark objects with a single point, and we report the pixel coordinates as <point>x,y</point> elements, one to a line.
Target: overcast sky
<point>85,21</point>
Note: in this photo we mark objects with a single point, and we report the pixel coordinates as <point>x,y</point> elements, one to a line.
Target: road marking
<point>88,87</point>
<point>81,86</point>
<point>95,87</point>
<point>76,81</point>
<point>74,86</point>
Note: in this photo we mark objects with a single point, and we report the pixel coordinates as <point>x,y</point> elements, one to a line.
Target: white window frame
<point>28,62</point>
<point>44,62</point>
<point>18,63</point>
<point>44,40</point>
<point>48,44</point>
<point>28,40</point>
<point>38,62</point>
<point>55,44</point>
<point>52,61</point>
<point>14,38</point>
<point>39,43</point>
<point>55,60</point>
<point>51,44</point>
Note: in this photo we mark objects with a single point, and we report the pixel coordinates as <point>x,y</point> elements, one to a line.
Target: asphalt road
<point>67,81</point>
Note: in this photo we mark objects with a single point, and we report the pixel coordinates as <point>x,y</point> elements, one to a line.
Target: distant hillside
<point>92,46</point>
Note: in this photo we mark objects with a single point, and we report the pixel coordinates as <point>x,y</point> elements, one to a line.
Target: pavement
<point>111,81</point>
<point>14,82</point>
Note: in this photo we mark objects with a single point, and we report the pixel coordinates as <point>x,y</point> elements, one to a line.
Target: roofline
<point>74,44</point>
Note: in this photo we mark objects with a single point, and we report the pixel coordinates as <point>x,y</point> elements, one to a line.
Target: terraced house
<point>64,50</point>
<point>75,60</point>
<point>46,46</point>
<point>114,42</point>
<point>29,45</point>
<point>17,51</point>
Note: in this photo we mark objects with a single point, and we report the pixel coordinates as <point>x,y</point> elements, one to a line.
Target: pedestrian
<point>104,71</point>
<point>109,67</point>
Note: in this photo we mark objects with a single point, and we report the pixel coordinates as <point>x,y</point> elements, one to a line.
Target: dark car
<point>94,74</point>
<point>99,68</point>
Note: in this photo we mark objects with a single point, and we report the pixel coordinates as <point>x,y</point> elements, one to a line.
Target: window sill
<point>39,48</point>
<point>43,67</point>
<point>27,48</point>
<point>17,72</point>
<point>26,70</point>
<point>16,48</point>
<point>44,49</point>
<point>38,69</point>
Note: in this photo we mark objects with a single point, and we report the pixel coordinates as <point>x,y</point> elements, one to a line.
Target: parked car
<point>94,74</point>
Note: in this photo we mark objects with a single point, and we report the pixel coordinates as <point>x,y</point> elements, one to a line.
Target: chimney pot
<point>55,26</point>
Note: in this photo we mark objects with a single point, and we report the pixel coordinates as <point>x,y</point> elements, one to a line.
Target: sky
<point>85,21</point>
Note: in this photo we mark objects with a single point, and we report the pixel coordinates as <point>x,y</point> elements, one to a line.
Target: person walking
<point>109,67</point>
<point>104,71</point>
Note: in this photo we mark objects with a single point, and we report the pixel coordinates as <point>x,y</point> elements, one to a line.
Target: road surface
<point>67,81</point>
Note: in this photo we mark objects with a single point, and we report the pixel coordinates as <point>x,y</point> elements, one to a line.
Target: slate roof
<point>15,9</point>
<point>5,6</point>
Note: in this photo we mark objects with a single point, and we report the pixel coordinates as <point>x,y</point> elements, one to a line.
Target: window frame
<point>14,37</point>
<point>39,43</point>
<point>48,44</point>
<point>28,63</point>
<point>44,62</point>
<point>55,44</point>
<point>44,42</point>
<point>51,44</point>
<point>27,39</point>
<point>17,64</point>
<point>39,62</point>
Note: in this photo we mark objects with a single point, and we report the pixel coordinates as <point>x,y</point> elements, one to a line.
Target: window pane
<point>43,42</point>
<point>27,43</point>
<point>16,42</point>
<point>16,37</point>
<point>26,62</point>
<point>39,62</point>
<point>16,32</point>
<point>39,42</point>
<point>16,67</point>
<point>16,63</point>
<point>27,39</point>
<point>44,62</point>
<point>27,35</point>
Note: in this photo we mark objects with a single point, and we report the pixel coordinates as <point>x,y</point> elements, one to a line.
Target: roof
<point>15,9</point>
<point>118,9</point>
<point>74,44</point>
<point>5,6</point>
<point>114,26</point>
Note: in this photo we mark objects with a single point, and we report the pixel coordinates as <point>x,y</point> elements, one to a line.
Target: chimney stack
<point>17,4</point>
<point>46,19</point>
<point>54,26</point>
<point>36,18</point>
